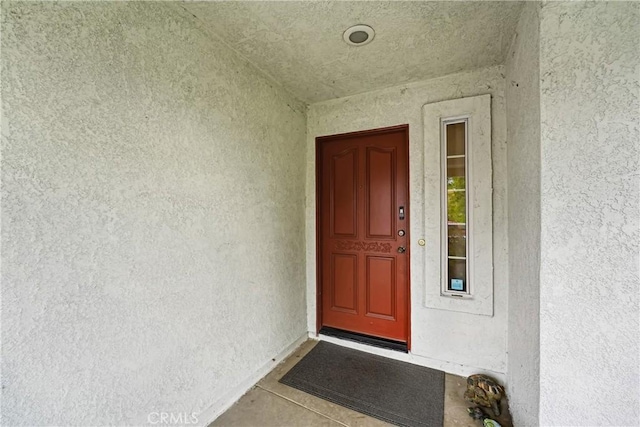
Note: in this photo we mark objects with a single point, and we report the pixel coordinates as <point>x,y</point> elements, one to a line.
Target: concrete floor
<point>271,404</point>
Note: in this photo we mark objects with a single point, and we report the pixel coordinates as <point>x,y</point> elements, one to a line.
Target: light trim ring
<point>349,35</point>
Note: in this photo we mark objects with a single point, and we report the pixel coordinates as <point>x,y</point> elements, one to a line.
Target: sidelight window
<point>455,236</point>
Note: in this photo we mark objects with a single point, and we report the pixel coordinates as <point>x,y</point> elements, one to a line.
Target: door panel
<point>362,183</point>
<point>343,283</point>
<point>343,193</point>
<point>380,192</point>
<point>381,287</point>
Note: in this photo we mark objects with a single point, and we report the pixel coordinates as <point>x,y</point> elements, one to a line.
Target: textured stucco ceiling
<point>299,44</point>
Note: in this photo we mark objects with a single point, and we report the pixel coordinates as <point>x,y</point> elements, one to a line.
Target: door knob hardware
<point>400,233</point>
<point>401,249</point>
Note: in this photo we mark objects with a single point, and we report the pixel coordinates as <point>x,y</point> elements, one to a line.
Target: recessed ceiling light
<point>359,35</point>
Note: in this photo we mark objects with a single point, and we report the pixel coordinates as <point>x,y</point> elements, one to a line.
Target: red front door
<point>364,225</point>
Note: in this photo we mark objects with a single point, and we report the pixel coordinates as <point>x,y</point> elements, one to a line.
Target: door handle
<point>401,249</point>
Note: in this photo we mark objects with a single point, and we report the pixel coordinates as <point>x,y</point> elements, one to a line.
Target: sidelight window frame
<point>444,203</point>
<point>479,296</point>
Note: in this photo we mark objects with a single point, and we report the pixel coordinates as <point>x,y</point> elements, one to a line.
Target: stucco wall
<point>523,166</point>
<point>590,219</point>
<point>152,215</point>
<point>453,341</point>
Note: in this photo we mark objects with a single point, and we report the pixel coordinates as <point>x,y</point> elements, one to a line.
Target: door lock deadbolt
<point>400,233</point>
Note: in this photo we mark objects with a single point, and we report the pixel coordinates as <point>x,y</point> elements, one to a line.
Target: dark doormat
<point>396,392</point>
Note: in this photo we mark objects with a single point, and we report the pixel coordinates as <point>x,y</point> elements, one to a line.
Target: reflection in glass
<point>457,241</point>
<point>456,207</point>
<point>455,169</point>
<point>455,139</point>
<point>456,183</point>
<point>457,275</point>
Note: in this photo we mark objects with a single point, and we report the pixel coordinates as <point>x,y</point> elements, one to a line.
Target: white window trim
<point>477,110</point>
<point>444,234</point>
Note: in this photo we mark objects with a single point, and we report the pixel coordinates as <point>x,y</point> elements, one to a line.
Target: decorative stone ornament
<point>484,391</point>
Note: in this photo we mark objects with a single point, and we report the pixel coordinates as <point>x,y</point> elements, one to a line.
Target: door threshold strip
<point>365,339</point>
